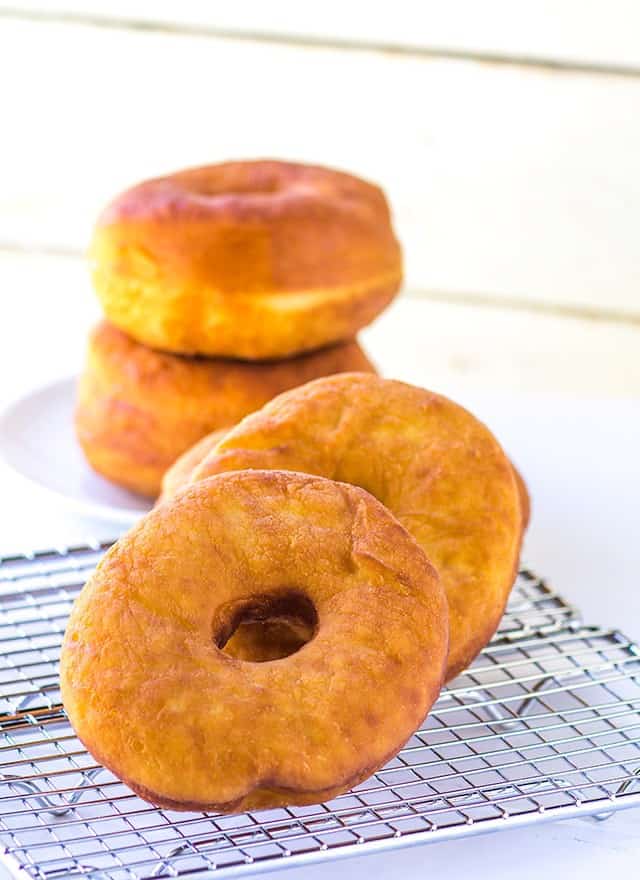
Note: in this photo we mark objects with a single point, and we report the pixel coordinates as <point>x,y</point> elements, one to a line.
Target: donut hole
<point>266,627</point>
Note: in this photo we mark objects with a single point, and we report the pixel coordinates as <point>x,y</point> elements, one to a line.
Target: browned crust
<point>525,498</point>
<point>317,228</point>
<point>188,727</point>
<point>179,473</point>
<point>255,259</point>
<point>263,796</point>
<point>138,409</point>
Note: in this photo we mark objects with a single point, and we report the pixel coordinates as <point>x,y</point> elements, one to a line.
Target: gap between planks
<point>310,41</point>
<point>447,297</point>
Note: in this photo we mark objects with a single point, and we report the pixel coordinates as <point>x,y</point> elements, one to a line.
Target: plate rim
<point>102,511</point>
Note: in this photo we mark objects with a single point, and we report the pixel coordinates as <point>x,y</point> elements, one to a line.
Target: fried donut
<point>139,409</point>
<point>179,474</point>
<point>252,260</point>
<point>153,696</point>
<point>435,466</point>
<point>523,491</point>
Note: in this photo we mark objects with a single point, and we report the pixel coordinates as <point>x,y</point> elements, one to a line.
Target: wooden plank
<point>463,349</point>
<point>455,349</point>
<point>507,183</point>
<point>579,32</point>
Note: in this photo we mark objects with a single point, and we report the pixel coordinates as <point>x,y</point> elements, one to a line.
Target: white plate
<point>37,441</point>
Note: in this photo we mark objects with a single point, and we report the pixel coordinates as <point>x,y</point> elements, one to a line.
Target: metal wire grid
<point>545,724</point>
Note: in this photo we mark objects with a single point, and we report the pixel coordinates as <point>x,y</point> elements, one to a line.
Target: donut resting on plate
<point>138,409</point>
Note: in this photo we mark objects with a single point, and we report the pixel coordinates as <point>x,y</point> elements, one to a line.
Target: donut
<point>434,465</point>
<point>183,472</point>
<point>253,260</point>
<point>138,409</point>
<point>154,697</point>
<point>179,474</point>
<point>523,491</point>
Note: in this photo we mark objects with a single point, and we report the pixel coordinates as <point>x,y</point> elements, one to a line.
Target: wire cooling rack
<point>545,724</point>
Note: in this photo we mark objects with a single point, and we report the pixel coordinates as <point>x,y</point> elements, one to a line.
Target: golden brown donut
<point>182,471</point>
<point>139,409</point>
<point>251,260</point>
<point>523,491</point>
<point>179,474</point>
<point>435,466</point>
<point>154,698</point>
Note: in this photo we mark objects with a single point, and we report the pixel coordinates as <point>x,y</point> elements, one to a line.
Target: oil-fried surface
<point>433,464</point>
<point>153,697</point>
<point>139,409</point>
<point>255,260</point>
<point>179,474</point>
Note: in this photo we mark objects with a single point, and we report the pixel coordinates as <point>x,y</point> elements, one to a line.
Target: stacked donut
<point>223,286</point>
